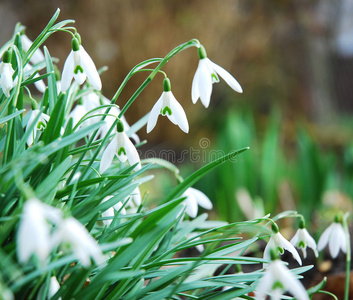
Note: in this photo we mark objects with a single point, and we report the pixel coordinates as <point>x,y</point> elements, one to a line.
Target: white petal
<point>324,238</point>
<point>108,155</point>
<point>191,203</point>
<point>68,72</point>
<point>295,239</point>
<point>40,85</point>
<point>311,242</point>
<point>152,118</point>
<point>178,113</point>
<point>136,196</point>
<point>205,82</point>
<point>195,93</point>
<point>118,207</point>
<point>228,78</point>
<point>131,153</point>
<point>202,199</point>
<point>37,56</point>
<point>336,238</point>
<point>54,286</point>
<point>264,286</point>
<point>6,81</point>
<point>90,69</point>
<point>289,247</point>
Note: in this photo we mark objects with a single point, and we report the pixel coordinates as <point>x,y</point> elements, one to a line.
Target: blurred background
<point>294,60</point>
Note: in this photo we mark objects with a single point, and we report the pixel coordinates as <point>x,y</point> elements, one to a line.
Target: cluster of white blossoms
<point>42,228</point>
<point>278,278</point>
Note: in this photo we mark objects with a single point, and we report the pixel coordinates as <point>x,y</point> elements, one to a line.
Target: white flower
<point>123,148</point>
<point>34,231</point>
<point>207,74</point>
<point>302,239</point>
<point>278,279</point>
<point>278,243</point>
<point>39,126</point>
<point>168,106</point>
<point>79,65</point>
<point>84,246</point>
<point>194,198</point>
<point>6,81</point>
<point>37,56</point>
<point>335,237</point>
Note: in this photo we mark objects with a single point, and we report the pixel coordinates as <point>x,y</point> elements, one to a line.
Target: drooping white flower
<point>194,198</point>
<point>34,230</point>
<point>122,147</point>
<point>278,244</point>
<point>207,74</point>
<point>278,279</point>
<point>79,65</point>
<point>40,125</point>
<point>37,56</point>
<point>333,236</point>
<point>6,73</point>
<point>302,239</point>
<point>168,106</point>
<point>83,245</point>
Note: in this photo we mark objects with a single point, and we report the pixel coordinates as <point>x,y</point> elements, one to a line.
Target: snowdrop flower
<point>37,56</point>
<point>278,243</point>
<point>34,231</point>
<point>83,245</point>
<point>79,66</point>
<point>110,211</point>
<point>122,147</point>
<point>194,198</point>
<point>302,239</point>
<point>168,106</point>
<point>40,125</point>
<point>206,74</point>
<point>278,279</point>
<point>6,73</point>
<point>335,237</point>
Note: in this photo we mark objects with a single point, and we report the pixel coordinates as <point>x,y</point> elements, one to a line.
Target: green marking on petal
<point>78,69</point>
<point>166,110</point>
<point>301,244</point>
<point>214,77</point>
<point>41,125</point>
<point>277,285</point>
<point>280,250</point>
<point>121,151</point>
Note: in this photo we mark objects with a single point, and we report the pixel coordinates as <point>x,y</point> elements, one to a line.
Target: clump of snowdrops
<point>73,221</point>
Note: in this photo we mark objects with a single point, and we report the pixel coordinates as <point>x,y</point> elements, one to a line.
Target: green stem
<point>348,256</point>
